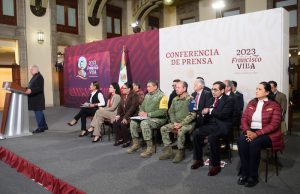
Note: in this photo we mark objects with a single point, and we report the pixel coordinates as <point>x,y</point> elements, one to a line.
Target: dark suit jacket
<point>281,99</point>
<point>207,89</point>
<point>130,107</point>
<point>203,103</point>
<point>241,99</point>
<point>222,114</point>
<point>36,100</point>
<point>171,97</point>
<point>236,117</point>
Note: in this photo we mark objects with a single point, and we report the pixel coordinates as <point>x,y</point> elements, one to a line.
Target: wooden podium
<point>15,120</point>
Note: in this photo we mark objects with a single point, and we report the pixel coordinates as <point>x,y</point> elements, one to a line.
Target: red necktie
<point>216,102</point>
<point>196,101</point>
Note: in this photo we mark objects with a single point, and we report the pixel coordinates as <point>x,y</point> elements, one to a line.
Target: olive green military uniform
<point>155,105</point>
<point>179,113</point>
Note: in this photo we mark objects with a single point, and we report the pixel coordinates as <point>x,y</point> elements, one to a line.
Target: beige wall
<point>206,12</point>
<point>40,54</point>
<point>129,17</point>
<point>170,17</point>
<point>9,53</point>
<point>92,33</point>
<point>255,5</point>
<point>6,75</point>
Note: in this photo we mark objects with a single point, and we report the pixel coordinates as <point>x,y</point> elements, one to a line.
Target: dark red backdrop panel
<point>142,61</point>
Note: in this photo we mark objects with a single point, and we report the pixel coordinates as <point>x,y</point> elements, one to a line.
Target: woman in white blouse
<point>95,100</point>
<point>106,113</point>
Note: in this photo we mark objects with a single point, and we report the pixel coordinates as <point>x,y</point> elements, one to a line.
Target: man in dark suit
<point>239,95</point>
<point>282,100</point>
<point>204,88</point>
<point>219,124</point>
<point>201,97</point>
<point>173,94</point>
<point>237,114</point>
<point>36,98</point>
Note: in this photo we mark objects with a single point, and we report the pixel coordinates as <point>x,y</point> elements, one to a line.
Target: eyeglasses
<point>215,90</point>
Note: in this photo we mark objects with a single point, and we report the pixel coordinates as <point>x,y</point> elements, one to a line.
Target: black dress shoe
<point>38,130</point>
<point>214,171</point>
<point>125,145</point>
<point>251,182</point>
<point>197,164</point>
<point>242,180</point>
<point>72,124</point>
<point>119,142</point>
<point>96,139</point>
<point>82,134</point>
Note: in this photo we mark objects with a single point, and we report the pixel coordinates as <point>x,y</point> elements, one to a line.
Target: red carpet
<point>34,172</point>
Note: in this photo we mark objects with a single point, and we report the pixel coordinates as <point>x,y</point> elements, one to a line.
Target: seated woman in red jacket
<point>260,124</point>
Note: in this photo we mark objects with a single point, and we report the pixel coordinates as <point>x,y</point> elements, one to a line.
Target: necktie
<point>216,102</point>
<point>196,101</point>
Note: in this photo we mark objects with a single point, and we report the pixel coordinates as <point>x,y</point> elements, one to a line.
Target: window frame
<point>293,30</point>
<point>115,13</point>
<point>66,28</point>
<point>9,20</point>
<point>188,18</point>
<point>232,9</point>
<point>153,22</point>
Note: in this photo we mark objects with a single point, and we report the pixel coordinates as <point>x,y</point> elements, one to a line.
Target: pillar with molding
<point>40,54</point>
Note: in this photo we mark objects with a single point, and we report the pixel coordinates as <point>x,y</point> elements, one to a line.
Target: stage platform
<point>103,168</point>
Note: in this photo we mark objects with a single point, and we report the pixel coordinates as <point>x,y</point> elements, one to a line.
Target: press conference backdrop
<point>248,48</point>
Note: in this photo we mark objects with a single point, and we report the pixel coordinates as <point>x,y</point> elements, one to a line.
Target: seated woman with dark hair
<point>128,107</point>
<point>260,124</point>
<point>108,112</point>
<point>95,100</point>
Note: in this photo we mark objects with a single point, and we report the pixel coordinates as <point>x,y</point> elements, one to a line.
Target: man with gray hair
<point>201,97</point>
<point>36,98</point>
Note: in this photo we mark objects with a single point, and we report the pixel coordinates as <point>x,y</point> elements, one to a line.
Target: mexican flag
<point>123,78</point>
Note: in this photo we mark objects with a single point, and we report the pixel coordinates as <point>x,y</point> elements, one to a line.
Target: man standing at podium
<point>36,98</point>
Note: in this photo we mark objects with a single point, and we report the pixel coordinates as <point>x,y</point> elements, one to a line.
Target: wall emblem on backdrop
<point>87,69</point>
<point>82,64</point>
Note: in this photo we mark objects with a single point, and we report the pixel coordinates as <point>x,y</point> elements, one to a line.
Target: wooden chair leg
<point>276,164</point>
<point>267,165</point>
<point>229,154</point>
<point>154,139</point>
<point>109,131</point>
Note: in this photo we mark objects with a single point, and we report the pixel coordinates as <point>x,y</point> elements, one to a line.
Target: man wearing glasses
<point>219,123</point>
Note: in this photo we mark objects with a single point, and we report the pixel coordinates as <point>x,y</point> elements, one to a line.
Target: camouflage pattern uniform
<point>179,113</point>
<point>156,106</point>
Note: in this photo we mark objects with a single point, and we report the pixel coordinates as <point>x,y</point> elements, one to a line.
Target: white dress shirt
<point>100,98</point>
<point>256,122</point>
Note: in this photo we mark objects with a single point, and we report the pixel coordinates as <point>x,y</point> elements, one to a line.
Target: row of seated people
<point>127,106</point>
<point>207,114</point>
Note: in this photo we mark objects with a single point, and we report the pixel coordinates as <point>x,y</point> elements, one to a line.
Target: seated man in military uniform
<point>153,113</point>
<point>182,121</point>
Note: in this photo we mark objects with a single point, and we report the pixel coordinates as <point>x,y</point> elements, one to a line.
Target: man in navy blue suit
<point>219,124</point>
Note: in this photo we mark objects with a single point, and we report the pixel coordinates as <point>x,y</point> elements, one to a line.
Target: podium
<point>15,120</point>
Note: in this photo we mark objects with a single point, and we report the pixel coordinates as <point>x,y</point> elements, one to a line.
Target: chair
<point>110,128</point>
<point>225,145</point>
<point>155,132</point>
<point>268,158</point>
